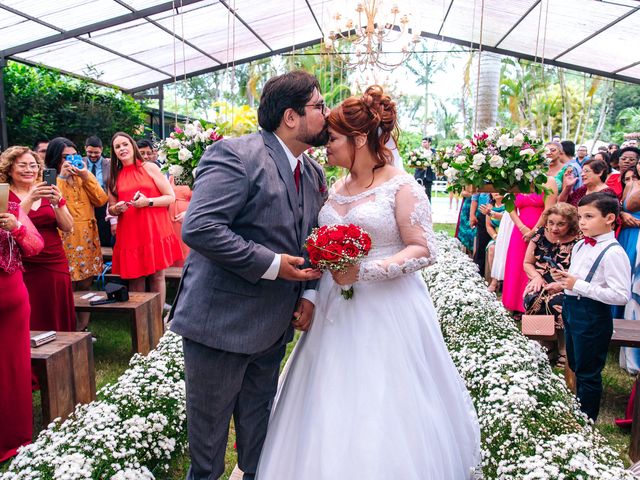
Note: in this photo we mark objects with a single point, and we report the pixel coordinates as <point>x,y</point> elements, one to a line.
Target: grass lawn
<point>113,351</point>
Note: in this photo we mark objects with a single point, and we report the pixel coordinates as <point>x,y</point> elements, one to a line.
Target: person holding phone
<point>550,248</point>
<point>83,193</point>
<point>139,195</point>
<point>18,238</point>
<point>46,275</point>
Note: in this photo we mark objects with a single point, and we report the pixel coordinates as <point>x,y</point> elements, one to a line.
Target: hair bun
<point>384,107</point>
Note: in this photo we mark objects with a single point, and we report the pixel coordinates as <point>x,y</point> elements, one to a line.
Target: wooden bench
<point>172,275</point>
<point>65,372</point>
<point>626,333</point>
<point>144,311</point>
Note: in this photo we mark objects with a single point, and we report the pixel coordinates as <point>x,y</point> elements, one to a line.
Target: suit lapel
<point>284,170</point>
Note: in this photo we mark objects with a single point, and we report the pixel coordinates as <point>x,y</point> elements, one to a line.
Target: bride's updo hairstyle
<point>374,115</point>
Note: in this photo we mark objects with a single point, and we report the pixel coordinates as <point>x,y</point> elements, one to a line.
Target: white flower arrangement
<point>319,154</point>
<point>420,158</point>
<point>131,431</point>
<point>532,427</point>
<point>184,147</point>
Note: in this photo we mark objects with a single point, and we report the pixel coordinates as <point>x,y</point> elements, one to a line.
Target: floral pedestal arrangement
<point>420,158</point>
<point>181,152</point>
<point>497,160</point>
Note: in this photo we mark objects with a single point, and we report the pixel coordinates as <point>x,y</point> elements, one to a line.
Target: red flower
<point>322,239</point>
<point>337,234</point>
<point>332,252</point>
<point>350,250</point>
<point>315,255</point>
<point>353,231</point>
<point>366,243</point>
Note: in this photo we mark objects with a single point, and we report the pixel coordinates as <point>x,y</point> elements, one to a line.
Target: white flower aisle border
<point>133,429</point>
<point>531,425</point>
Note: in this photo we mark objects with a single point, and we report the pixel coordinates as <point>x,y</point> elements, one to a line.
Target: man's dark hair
<point>37,143</point>
<point>428,139</point>
<point>630,149</point>
<point>569,148</point>
<point>144,143</point>
<point>603,148</point>
<point>93,141</point>
<point>291,90</point>
<point>605,203</point>
<point>614,145</point>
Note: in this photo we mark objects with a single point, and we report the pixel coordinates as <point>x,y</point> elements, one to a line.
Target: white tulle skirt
<point>370,392</point>
<point>502,245</point>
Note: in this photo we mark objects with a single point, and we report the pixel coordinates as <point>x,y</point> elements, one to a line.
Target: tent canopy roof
<point>136,44</point>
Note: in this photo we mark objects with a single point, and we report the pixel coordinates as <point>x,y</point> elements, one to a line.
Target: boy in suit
<point>599,276</point>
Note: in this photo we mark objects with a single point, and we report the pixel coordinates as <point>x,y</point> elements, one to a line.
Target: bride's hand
<point>303,316</point>
<point>348,276</point>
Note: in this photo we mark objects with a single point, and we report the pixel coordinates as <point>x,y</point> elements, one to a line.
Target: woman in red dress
<point>18,237</point>
<point>139,195</point>
<point>46,275</point>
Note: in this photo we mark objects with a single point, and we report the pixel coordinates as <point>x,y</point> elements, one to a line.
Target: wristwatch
<point>150,203</point>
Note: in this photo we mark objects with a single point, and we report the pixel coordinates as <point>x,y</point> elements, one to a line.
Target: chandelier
<point>370,27</point>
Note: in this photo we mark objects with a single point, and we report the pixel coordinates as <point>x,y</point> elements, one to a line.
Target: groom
<point>255,200</point>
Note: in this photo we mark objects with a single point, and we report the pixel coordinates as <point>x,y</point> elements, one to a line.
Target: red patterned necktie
<point>296,176</point>
<point>590,241</point>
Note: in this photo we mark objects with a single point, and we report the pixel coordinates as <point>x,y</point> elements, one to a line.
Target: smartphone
<point>49,175</point>
<point>4,197</point>
<point>552,262</point>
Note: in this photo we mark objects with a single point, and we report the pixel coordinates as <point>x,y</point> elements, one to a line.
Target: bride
<point>370,391</point>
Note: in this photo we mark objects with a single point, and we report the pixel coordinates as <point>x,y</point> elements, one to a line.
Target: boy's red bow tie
<point>590,241</point>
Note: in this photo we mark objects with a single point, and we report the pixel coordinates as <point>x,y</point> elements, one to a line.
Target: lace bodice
<point>397,215</point>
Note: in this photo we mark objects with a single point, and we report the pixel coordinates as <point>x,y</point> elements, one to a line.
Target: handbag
<point>542,327</point>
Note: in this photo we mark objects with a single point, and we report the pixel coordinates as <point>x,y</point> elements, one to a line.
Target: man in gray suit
<point>255,200</point>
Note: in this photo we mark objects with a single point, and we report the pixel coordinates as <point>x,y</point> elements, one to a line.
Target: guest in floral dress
<point>544,296</point>
<point>83,193</point>
<point>464,232</point>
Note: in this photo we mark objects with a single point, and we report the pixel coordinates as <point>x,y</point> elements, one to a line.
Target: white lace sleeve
<point>413,217</point>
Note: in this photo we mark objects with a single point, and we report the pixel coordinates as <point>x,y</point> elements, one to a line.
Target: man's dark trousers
<point>228,384</point>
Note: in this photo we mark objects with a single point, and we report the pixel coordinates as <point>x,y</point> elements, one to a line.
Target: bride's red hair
<point>374,115</point>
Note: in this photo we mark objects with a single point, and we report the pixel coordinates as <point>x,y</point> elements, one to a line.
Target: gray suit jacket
<point>244,210</point>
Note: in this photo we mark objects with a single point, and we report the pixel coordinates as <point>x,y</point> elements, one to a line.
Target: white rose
<point>176,170</point>
<point>466,143</point>
<point>460,159</point>
<point>162,156</point>
<point>496,161</point>
<point>518,140</point>
<point>478,160</point>
<point>504,142</point>
<point>451,173</point>
<point>518,173</point>
<point>527,151</point>
<point>445,165</point>
<point>184,154</point>
<point>190,130</point>
<point>173,143</point>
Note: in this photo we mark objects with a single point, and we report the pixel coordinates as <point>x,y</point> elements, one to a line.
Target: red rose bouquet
<point>336,247</point>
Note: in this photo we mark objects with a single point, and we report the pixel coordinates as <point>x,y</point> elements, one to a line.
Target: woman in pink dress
<point>527,218</point>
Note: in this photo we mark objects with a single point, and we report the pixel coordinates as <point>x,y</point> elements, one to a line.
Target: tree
<point>43,103</point>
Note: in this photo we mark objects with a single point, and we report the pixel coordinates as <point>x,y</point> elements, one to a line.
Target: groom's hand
<point>289,269</point>
<point>303,316</point>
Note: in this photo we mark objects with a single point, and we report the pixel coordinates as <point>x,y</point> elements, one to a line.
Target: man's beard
<point>315,140</point>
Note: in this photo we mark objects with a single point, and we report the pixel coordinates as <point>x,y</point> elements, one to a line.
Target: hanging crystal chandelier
<point>367,29</point>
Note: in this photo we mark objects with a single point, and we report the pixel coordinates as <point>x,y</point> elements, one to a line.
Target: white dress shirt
<point>274,268</point>
<point>611,282</point>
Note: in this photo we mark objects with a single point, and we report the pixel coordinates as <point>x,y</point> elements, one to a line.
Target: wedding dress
<point>370,392</point>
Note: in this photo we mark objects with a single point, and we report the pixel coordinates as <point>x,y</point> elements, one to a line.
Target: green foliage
<point>407,142</point>
<point>45,103</point>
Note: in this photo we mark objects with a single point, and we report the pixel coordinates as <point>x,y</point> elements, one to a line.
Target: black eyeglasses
<point>319,105</point>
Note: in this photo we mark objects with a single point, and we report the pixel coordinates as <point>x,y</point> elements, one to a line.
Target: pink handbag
<point>542,327</point>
